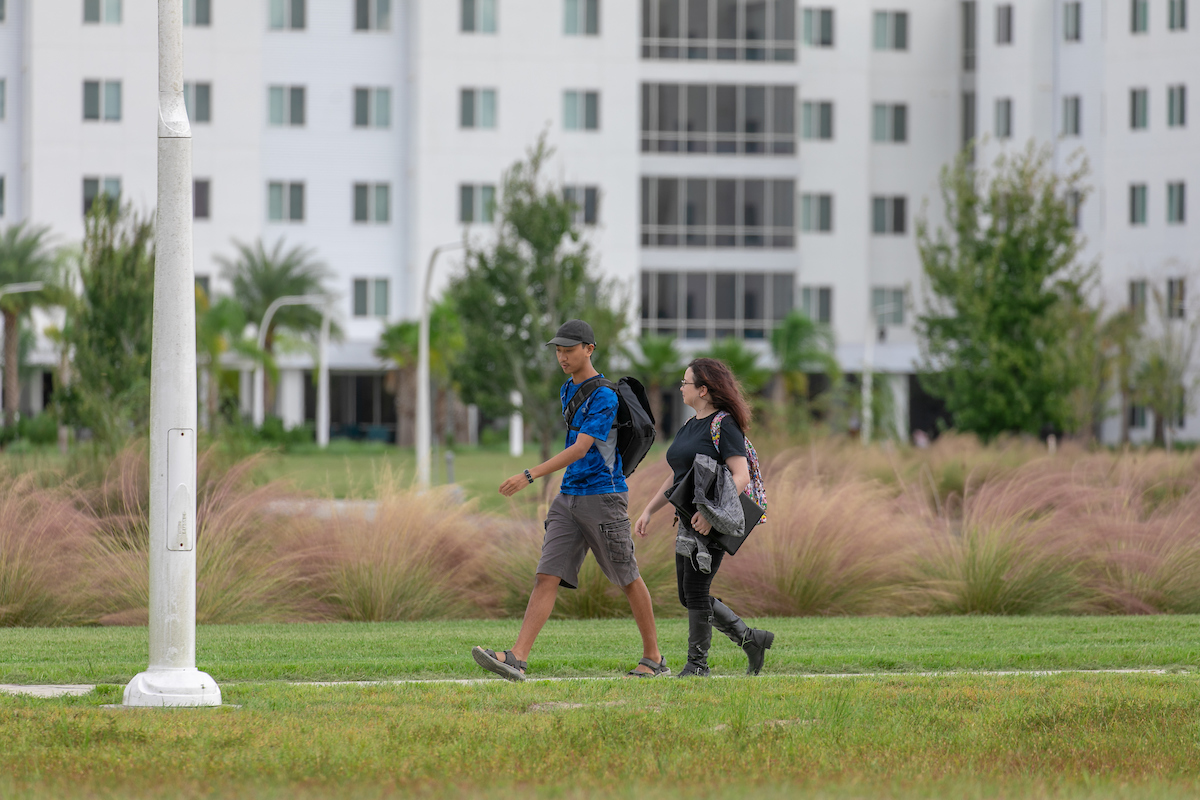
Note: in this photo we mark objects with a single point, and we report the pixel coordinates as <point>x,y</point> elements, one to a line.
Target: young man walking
<point>591,512</point>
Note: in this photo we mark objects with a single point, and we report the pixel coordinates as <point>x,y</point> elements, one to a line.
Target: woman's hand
<point>641,528</point>
<point>700,525</point>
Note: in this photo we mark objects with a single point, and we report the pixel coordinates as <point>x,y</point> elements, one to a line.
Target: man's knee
<point>545,581</point>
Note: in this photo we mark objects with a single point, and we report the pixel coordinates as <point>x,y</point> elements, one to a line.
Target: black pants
<point>694,585</point>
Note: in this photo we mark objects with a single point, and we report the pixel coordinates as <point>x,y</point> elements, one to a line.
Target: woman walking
<point>708,387</point>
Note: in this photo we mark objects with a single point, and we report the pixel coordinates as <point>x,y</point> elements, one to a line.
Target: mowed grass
<point>607,648</point>
<point>1129,736</point>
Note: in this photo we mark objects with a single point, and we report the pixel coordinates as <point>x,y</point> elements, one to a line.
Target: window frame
<point>718,135</point>
<point>667,307</point>
<point>373,15</point>
<point>287,15</point>
<point>192,91</point>
<point>1139,17</point>
<point>1177,202</point>
<point>586,16</point>
<point>192,16</point>
<point>1005,19</point>
<point>816,212</point>
<point>894,118</point>
<point>894,299</point>
<point>1003,131</point>
<point>197,193</point>
<point>1176,15</point>
<point>287,107</point>
<point>287,196</point>
<point>477,17</point>
<point>1177,105</point>
<point>372,294</point>
<point>482,207</point>
<point>893,221</point>
<point>720,37</point>
<point>1139,108</point>
<point>104,100</point>
<point>375,95</point>
<point>1073,21</point>
<point>478,106</point>
<point>1139,202</point>
<point>104,185</point>
<point>893,34</point>
<point>671,208</point>
<point>1072,111</point>
<point>581,110</point>
<point>813,118</point>
<point>587,213</point>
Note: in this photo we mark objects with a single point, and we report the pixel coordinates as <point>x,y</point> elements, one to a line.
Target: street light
<point>17,288</point>
<point>257,412</point>
<point>172,678</point>
<point>424,424</point>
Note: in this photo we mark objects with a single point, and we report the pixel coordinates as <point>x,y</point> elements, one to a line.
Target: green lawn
<point>363,651</point>
<point>780,735</point>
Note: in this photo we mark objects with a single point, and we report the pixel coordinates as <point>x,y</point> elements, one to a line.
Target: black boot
<point>699,639</point>
<point>755,642</point>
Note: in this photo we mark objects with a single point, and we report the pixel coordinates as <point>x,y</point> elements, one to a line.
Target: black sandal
<point>510,667</point>
<point>659,668</point>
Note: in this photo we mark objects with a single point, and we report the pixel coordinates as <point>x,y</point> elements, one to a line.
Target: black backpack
<point>635,423</point>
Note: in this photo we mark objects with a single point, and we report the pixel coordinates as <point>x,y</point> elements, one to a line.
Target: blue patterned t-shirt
<point>598,472</point>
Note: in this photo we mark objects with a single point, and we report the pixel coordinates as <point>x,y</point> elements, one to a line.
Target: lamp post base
<point>173,688</point>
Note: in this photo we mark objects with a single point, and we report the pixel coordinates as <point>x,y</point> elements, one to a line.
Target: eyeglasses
<point>687,383</point>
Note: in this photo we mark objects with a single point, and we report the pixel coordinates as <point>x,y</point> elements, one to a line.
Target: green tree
<point>513,294</point>
<point>220,328</point>
<point>399,344</point>
<point>742,361</point>
<point>1000,278</point>
<point>26,255</point>
<point>801,348</point>
<point>657,365</point>
<point>260,276</point>
<point>109,327</point>
<point>1164,376</point>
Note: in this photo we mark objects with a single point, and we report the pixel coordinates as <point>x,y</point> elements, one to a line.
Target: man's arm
<point>564,459</point>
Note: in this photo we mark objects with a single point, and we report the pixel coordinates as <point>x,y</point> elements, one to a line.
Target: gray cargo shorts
<point>596,522</point>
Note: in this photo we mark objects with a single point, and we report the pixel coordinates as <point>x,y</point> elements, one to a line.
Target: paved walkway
<point>77,690</point>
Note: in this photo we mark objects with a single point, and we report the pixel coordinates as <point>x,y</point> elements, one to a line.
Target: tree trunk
<point>406,395</point>
<point>1160,435</point>
<point>12,388</point>
<point>656,409</point>
<point>1124,418</point>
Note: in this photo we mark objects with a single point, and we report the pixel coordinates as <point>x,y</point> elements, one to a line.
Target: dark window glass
<point>467,108</point>
<point>726,296</point>
<point>783,212</point>
<point>298,21</point>
<point>91,188</point>
<point>668,295</point>
<point>898,215</point>
<point>203,102</point>
<point>296,105</point>
<point>362,107</point>
<point>647,88</point>
<point>593,18</point>
<point>361,211</point>
<point>645,295</point>
<point>468,16</point>
<point>296,202</point>
<point>726,212</point>
<point>668,116</point>
<point>754,297</point>
<point>362,15</point>
<point>591,206</point>
<point>697,212</point>
<point>782,295</point>
<point>697,295</point>
<point>754,212</point>
<point>756,29</point>
<point>668,211</point>
<point>755,117</point>
<point>591,111</point>
<point>727,29</point>
<point>91,99</point>
<point>697,117</point>
<point>200,192</point>
<point>91,10</point>
<point>203,12</point>
<point>899,123</point>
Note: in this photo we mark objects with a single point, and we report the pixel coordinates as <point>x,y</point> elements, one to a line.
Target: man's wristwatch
<point>528,476</point>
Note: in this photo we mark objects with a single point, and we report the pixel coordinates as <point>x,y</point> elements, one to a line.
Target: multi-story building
<point>732,159</point>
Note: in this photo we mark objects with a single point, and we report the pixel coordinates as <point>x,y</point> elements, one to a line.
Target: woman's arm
<point>739,468</point>
<point>656,502</point>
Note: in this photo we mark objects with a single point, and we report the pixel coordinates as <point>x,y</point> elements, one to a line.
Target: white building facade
<point>733,159</point>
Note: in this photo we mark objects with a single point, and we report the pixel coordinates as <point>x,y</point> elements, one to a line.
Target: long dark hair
<point>724,391</point>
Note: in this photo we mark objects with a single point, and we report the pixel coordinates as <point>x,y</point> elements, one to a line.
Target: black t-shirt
<point>695,437</point>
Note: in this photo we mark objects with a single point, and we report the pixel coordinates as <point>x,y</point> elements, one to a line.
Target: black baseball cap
<point>573,332</point>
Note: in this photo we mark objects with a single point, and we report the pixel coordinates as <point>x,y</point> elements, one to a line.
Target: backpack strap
<point>714,429</point>
<point>581,396</point>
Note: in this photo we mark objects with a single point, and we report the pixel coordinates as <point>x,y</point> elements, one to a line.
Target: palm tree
<point>260,277</point>
<point>659,365</point>
<point>741,360</point>
<point>801,347</point>
<point>399,343</point>
<point>220,328</point>
<point>25,255</point>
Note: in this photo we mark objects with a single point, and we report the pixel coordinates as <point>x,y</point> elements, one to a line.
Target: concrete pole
<point>424,421</point>
<point>516,427</point>
<point>258,413</point>
<point>172,678</point>
<point>16,288</point>
<point>323,381</point>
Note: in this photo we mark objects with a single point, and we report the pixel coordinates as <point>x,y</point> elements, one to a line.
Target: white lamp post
<point>322,301</point>
<point>172,678</point>
<point>17,288</point>
<point>424,423</point>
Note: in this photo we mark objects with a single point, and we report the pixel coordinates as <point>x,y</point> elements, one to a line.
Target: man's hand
<point>700,525</point>
<point>514,484</point>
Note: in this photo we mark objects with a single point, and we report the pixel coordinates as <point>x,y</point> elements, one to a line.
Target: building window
<point>581,111</point>
<point>3,98</point>
<point>707,305</point>
<point>586,203</point>
<point>1,196</point>
<point>285,106</point>
<point>1137,298</point>
<point>888,216</point>
<point>1176,307</point>
<point>1073,22</point>
<point>203,284</point>
<point>1004,23</point>
<point>1137,204</point>
<point>1139,21</point>
<point>285,202</point>
<point>1137,417</point>
<point>372,15</point>
<point>3,11</point>
<point>371,297</point>
<point>1070,118</point>
<point>1176,106</point>
<point>887,305</point>
<point>968,118</point>
<point>817,303</point>
<point>372,202</point>
<point>889,122</point>
<point>1176,203</point>
<point>718,212</point>
<point>720,30</point>
<point>968,36</point>
<point>1004,125</point>
<point>1177,15</point>
<point>102,101</point>
<point>197,13</point>
<point>107,12</point>
<point>287,14</point>
<point>816,213</point>
<point>110,187</point>
<point>198,99</point>
<point>816,119</point>
<point>201,195</point>
<point>1139,109</point>
<point>751,120</point>
<point>372,107</point>
<point>818,27</point>
<point>891,30</point>
<point>1074,207</point>
<point>478,16</point>
<point>477,108</point>
<point>477,203</point>
<point>581,17</point>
